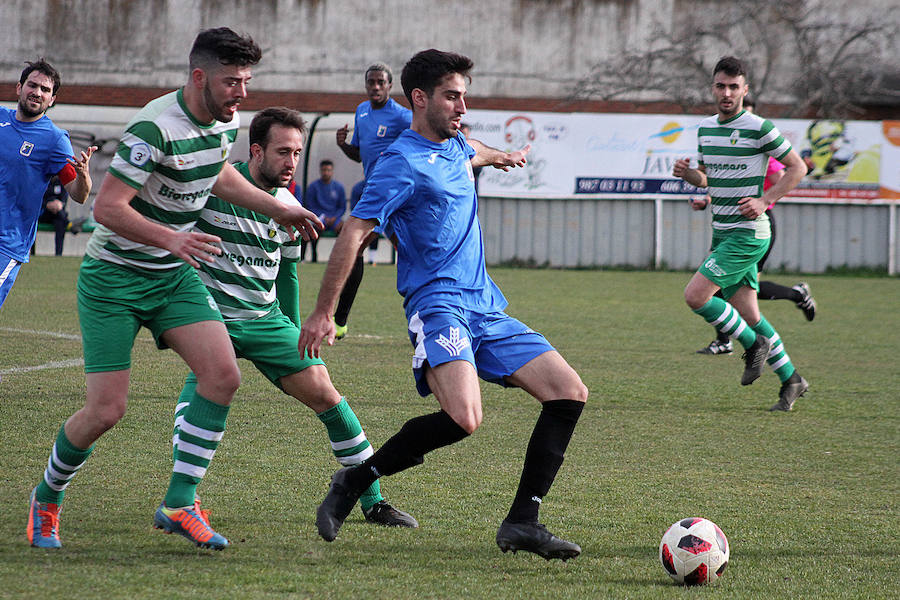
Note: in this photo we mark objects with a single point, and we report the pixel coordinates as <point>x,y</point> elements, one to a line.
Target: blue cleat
<point>189,523</point>
<point>43,524</point>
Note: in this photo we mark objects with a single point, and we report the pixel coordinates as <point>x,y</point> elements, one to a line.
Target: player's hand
<point>751,207</point>
<point>680,168</point>
<point>55,206</point>
<point>82,163</point>
<point>341,135</point>
<point>191,246</point>
<point>699,203</point>
<point>315,328</point>
<point>512,159</point>
<point>305,221</point>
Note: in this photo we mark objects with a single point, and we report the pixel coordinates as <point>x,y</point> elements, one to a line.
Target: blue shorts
<point>9,268</point>
<point>495,343</point>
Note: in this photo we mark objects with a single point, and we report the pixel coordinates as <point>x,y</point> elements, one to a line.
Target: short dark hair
<point>274,115</point>
<point>222,46</point>
<point>41,66</point>
<point>380,66</point>
<point>427,68</point>
<point>731,66</point>
<point>326,162</point>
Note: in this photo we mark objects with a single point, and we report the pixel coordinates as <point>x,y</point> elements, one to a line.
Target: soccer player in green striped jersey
<point>139,270</point>
<point>734,147</point>
<point>254,282</point>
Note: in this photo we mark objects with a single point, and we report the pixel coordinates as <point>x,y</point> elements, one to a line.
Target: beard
<point>218,112</point>
<point>441,126</point>
<point>269,178</point>
<point>30,112</point>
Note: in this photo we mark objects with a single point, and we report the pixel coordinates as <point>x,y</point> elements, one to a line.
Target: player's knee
<point>220,384</point>
<point>469,421</point>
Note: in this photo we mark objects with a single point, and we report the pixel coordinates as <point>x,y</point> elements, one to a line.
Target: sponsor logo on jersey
<point>714,268</point>
<point>167,192</point>
<point>250,261</point>
<point>382,131</point>
<point>140,154</point>
<point>727,166</point>
<point>220,221</point>
<point>26,148</point>
<point>455,344</point>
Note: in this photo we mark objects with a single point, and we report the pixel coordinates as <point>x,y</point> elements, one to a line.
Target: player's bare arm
<point>319,325</point>
<point>485,156</point>
<point>351,151</point>
<point>232,187</point>
<point>80,188</point>
<point>112,209</point>
<point>695,177</point>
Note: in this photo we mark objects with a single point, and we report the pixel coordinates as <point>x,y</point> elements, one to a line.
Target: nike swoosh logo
<point>5,124</point>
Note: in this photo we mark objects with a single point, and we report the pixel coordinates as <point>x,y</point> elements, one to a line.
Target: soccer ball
<point>694,551</point>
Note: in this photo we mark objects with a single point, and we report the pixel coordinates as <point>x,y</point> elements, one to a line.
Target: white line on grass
<point>53,334</point>
<point>56,364</point>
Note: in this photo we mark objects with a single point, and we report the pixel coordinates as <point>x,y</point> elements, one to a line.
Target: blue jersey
<point>30,154</point>
<point>326,199</point>
<point>376,129</point>
<point>425,193</point>
<point>356,193</point>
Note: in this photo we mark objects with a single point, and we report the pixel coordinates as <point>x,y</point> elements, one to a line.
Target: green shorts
<point>115,301</point>
<point>271,344</point>
<point>731,263</point>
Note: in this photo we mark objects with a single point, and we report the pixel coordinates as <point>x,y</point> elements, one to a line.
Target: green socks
<point>197,436</point>
<point>65,460</point>
<point>726,319</point>
<point>349,444</point>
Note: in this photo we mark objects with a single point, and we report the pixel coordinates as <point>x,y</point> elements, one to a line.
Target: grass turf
<point>807,499</point>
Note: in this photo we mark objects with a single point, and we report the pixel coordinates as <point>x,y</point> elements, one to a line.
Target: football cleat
<point>717,347</point>
<point>43,524</point>
<point>806,303</point>
<point>340,331</point>
<point>385,514</point>
<point>337,505</point>
<point>190,524</point>
<point>534,537</point>
<point>791,389</point>
<point>755,359</point>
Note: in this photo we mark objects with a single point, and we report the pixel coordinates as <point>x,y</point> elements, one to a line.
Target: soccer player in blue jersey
<point>423,189</point>
<point>32,151</point>
<point>377,123</point>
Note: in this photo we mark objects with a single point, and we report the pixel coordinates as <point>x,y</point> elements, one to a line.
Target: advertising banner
<point>582,155</point>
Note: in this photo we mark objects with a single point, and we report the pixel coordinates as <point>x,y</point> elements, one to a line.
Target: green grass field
<point>809,500</point>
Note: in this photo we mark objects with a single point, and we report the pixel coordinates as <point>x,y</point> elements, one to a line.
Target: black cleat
<point>791,389</point>
<point>534,537</point>
<point>806,303</point>
<point>717,347</point>
<point>336,506</point>
<point>383,513</point>
<point>755,359</point>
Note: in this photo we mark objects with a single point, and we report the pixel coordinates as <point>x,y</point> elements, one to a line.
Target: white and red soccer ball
<point>694,551</point>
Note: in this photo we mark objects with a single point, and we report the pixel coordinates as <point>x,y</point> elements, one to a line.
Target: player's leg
<point>730,266</point>
<point>110,301</point>
<point>207,350</point>
<point>9,268</point>
<point>189,323</point>
<point>348,295</point>
<point>445,366</point>
<point>792,384</point>
<point>721,344</point>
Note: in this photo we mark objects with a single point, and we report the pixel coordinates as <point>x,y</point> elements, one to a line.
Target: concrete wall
<point>522,48</point>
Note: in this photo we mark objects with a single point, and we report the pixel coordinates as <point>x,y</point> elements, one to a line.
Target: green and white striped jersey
<point>242,279</point>
<point>736,153</point>
<point>172,161</point>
